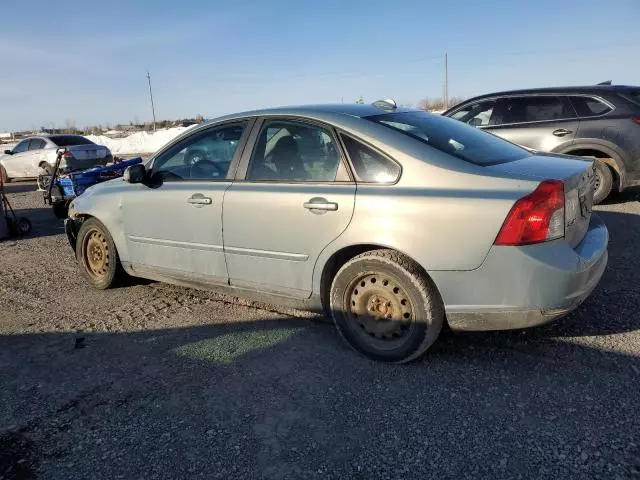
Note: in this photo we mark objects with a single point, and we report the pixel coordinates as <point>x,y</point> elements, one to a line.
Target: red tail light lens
<point>68,154</point>
<point>536,218</point>
<point>637,120</point>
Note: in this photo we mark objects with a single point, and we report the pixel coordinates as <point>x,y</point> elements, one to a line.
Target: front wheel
<point>97,255</point>
<point>386,307</point>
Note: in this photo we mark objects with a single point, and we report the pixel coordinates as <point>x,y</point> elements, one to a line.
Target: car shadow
<point>43,222</point>
<point>20,187</point>
<point>273,397</point>
<point>629,195</point>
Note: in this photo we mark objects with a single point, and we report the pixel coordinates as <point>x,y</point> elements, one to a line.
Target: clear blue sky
<point>86,61</point>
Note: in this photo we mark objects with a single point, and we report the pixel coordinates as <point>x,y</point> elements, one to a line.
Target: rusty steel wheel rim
<point>96,254</point>
<point>379,307</point>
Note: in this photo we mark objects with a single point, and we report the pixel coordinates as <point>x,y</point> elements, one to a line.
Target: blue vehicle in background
<point>64,185</point>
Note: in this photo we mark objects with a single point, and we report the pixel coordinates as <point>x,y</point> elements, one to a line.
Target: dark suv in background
<point>601,121</point>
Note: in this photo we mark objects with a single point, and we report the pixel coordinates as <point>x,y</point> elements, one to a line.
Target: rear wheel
<point>603,182</point>
<point>97,256</point>
<point>386,307</point>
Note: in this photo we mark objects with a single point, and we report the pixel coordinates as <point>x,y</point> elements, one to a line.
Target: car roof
<point>593,89</point>
<point>317,111</point>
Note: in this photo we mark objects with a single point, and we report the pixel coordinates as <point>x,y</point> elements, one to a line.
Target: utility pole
<point>153,110</point>
<point>446,82</point>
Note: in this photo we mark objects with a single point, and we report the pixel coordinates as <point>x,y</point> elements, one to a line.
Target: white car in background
<point>35,157</point>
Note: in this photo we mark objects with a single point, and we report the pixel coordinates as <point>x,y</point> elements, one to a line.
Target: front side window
<point>477,114</point>
<point>532,109</point>
<point>203,156</point>
<point>289,151</point>
<point>452,137</point>
<point>368,165</point>
<point>589,106</point>
<point>22,146</point>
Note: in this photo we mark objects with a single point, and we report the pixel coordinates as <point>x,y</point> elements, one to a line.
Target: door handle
<point>319,203</point>
<point>199,200</point>
<point>561,132</point>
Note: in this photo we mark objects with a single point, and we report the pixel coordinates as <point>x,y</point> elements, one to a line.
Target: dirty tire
<point>3,174</point>
<point>604,182</point>
<point>404,311</point>
<point>97,255</point>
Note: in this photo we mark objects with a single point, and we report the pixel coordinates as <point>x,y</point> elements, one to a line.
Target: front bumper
<point>519,287</point>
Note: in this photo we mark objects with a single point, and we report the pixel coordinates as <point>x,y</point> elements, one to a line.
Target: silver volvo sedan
<point>393,221</point>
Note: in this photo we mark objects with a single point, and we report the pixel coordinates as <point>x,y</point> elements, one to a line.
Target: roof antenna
<point>608,82</point>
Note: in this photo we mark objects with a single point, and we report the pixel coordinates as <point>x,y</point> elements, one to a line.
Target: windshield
<point>453,137</point>
<point>67,140</point>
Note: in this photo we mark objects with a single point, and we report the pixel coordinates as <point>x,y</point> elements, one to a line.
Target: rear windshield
<point>67,140</point>
<point>453,137</point>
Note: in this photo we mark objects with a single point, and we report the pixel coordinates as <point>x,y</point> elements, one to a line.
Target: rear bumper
<point>519,287</point>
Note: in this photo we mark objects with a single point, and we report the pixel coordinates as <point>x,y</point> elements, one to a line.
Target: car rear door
<point>173,223</point>
<point>292,197</point>
<point>540,122</point>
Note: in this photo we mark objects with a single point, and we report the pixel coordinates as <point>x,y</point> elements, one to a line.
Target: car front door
<point>15,163</point>
<point>540,122</point>
<point>173,222</point>
<point>292,197</point>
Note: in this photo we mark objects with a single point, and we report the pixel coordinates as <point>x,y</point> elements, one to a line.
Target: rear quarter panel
<point>444,214</point>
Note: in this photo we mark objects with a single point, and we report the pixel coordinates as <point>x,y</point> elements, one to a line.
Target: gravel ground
<point>155,381</point>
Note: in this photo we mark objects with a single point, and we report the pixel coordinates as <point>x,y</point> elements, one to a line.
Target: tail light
<point>536,218</point>
<point>68,154</point>
<point>637,120</point>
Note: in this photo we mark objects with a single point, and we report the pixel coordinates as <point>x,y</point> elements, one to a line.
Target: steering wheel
<point>205,169</point>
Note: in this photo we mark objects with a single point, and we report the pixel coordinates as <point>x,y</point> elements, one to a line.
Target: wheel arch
<point>341,256</point>
<point>118,236</point>
<point>607,154</point>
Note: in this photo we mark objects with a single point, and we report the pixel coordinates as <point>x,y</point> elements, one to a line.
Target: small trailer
<point>65,186</point>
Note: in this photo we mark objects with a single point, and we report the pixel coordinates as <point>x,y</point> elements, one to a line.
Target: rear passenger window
<point>288,151</point>
<point>589,106</point>
<point>369,165</point>
<point>532,109</point>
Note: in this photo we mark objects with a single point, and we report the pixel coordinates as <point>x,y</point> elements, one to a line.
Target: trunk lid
<point>578,175</point>
<point>88,152</point>
<point>86,156</point>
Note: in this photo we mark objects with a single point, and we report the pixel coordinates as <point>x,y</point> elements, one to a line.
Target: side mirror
<point>135,174</point>
<point>8,152</point>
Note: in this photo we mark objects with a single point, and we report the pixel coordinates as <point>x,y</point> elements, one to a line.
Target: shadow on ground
<point>284,399</point>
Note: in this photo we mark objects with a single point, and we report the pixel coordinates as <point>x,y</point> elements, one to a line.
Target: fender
<point>617,159</point>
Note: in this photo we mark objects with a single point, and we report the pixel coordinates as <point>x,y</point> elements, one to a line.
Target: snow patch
<point>139,142</point>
